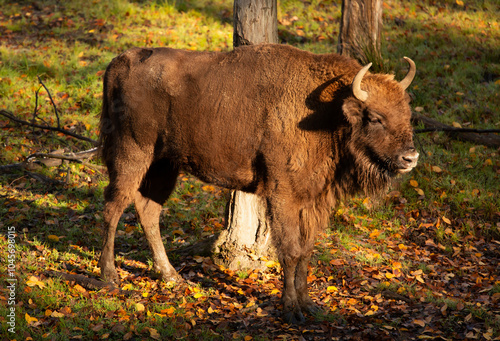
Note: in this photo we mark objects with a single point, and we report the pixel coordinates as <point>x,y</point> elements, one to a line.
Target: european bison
<point>302,130</point>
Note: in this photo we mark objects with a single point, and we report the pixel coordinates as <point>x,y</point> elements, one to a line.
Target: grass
<point>450,200</point>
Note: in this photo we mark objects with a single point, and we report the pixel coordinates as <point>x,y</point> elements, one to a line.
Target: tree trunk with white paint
<point>246,241</point>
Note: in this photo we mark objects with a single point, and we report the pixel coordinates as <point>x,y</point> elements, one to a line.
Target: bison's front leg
<point>305,302</point>
<point>292,312</point>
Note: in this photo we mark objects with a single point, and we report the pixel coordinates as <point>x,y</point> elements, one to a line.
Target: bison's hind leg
<point>117,196</point>
<point>155,189</point>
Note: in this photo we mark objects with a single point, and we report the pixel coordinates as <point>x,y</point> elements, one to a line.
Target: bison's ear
<point>353,111</point>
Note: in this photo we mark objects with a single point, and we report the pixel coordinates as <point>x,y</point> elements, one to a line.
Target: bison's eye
<point>374,118</point>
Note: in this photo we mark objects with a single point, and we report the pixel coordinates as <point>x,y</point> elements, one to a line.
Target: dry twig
<point>10,116</point>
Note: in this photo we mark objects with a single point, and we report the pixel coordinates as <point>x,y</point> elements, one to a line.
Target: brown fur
<point>268,119</point>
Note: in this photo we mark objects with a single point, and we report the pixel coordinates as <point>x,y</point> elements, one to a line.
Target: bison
<point>302,130</point>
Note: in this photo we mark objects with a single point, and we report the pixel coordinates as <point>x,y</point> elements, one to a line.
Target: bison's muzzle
<point>407,161</point>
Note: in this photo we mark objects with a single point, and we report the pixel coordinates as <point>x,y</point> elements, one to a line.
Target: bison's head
<point>379,115</point>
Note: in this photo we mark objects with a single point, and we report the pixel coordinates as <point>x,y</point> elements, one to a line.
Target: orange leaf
<point>420,323</point>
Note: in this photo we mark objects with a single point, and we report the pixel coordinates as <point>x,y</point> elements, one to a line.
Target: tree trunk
<point>246,241</point>
<point>360,30</point>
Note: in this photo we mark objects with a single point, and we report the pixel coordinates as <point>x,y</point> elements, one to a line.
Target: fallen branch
<point>10,116</point>
<point>77,157</point>
<point>73,157</point>
<point>485,137</point>
<point>30,161</point>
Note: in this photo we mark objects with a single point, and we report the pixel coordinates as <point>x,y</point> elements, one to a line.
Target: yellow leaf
<point>456,125</point>
<point>145,294</point>
<point>413,183</point>
<point>274,291</point>
<point>389,275</point>
<point>210,310</point>
<point>199,294</point>
<point>248,338</point>
<point>178,231</point>
<point>271,264</point>
<point>104,336</point>
<point>56,314</point>
<point>139,307</point>
<point>48,312</point>
<point>32,281</point>
<point>374,234</point>
<point>446,220</point>
<point>128,286</point>
<point>30,319</point>
<point>488,162</point>
<point>332,288</point>
<point>402,247</point>
<point>459,2</point>
<point>419,191</point>
<point>53,238</point>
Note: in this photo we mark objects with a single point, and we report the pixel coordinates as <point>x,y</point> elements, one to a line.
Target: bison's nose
<point>408,160</point>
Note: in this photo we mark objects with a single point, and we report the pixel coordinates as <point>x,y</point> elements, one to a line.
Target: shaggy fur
<point>267,119</point>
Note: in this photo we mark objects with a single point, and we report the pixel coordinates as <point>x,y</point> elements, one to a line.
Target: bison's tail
<point>105,122</point>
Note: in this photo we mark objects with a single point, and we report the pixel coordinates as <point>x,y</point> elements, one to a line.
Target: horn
<point>356,84</point>
<point>405,83</point>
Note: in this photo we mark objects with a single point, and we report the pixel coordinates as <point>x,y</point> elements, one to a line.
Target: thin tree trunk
<point>246,241</point>
<point>360,30</point>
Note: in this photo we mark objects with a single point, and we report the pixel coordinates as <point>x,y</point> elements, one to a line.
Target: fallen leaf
<point>56,314</point>
<point>332,288</point>
<point>53,238</point>
<point>420,323</point>
<point>139,307</point>
<point>436,169</point>
<point>153,333</point>
<point>32,281</point>
<point>30,319</point>
<point>419,191</point>
<point>79,288</point>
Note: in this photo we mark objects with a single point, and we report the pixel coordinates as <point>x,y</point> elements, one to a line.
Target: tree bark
<point>360,30</point>
<point>246,241</point>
